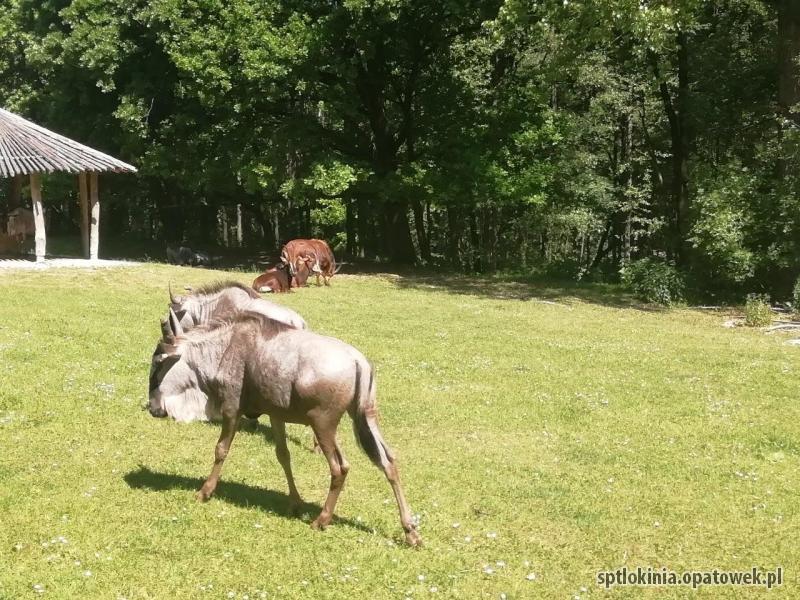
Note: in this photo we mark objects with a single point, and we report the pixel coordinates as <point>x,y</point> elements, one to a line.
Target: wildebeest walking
<point>221,300</point>
<point>253,365</point>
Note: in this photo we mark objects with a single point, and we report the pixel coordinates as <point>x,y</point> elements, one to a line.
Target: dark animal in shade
<point>253,365</point>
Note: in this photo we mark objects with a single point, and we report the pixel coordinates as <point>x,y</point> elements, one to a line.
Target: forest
<point>592,140</point>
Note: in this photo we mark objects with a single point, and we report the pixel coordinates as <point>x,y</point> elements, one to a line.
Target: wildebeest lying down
<point>275,280</point>
<point>186,256</point>
<point>253,365</point>
<point>223,299</point>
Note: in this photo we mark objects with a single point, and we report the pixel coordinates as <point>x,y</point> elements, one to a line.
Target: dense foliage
<point>571,136</point>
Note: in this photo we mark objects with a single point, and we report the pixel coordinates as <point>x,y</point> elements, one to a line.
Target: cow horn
<point>315,266</point>
<point>175,323</point>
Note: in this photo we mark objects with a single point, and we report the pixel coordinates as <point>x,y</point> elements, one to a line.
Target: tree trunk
<point>489,235</point>
<point>350,226</point>
<point>788,53</point>
<point>239,222</point>
<point>398,246</point>
<point>475,243</point>
<point>223,222</point>
<point>366,234</point>
<point>622,233</point>
<point>422,236</point>
<point>789,97</point>
<point>679,146</point>
<point>453,236</point>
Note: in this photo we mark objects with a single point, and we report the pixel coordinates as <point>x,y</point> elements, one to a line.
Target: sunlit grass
<point>541,437</point>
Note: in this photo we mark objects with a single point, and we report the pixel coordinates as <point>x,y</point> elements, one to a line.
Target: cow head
<point>174,387</point>
<point>288,263</point>
<point>303,268</point>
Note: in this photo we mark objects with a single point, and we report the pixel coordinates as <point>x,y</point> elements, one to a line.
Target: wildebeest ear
<point>175,323</point>
<point>166,331</point>
<point>174,300</point>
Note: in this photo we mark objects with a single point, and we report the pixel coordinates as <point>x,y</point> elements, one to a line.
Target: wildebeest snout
<point>157,411</point>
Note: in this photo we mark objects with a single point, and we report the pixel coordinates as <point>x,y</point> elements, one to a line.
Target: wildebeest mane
<point>217,286</point>
<point>268,328</point>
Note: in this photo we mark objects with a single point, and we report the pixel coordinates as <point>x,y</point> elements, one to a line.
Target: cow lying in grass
<point>253,365</point>
<point>275,280</point>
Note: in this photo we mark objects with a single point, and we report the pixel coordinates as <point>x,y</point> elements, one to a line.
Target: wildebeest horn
<point>172,297</point>
<point>175,323</point>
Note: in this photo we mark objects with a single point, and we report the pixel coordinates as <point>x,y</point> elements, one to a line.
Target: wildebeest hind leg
<point>229,426</point>
<point>282,452</point>
<point>412,537</point>
<point>339,468</point>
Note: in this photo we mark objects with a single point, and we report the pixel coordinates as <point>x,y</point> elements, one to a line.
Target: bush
<point>796,297</point>
<point>654,280</point>
<point>757,311</point>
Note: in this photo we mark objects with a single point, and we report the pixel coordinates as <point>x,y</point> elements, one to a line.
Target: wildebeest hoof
<point>320,523</point>
<point>413,538</point>
<point>202,496</point>
<point>295,507</point>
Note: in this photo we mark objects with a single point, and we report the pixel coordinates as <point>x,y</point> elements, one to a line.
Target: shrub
<point>796,297</point>
<point>654,280</point>
<point>757,311</point>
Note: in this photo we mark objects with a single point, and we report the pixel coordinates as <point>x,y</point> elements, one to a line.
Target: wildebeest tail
<point>364,414</point>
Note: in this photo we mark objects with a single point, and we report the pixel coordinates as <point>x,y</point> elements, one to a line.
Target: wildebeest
<point>186,256</point>
<point>221,300</point>
<point>314,253</point>
<point>274,280</point>
<point>253,365</point>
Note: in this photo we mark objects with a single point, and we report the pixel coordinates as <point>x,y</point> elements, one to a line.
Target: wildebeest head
<point>174,389</point>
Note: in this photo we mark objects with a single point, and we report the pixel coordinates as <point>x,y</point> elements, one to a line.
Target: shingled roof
<point>26,148</point>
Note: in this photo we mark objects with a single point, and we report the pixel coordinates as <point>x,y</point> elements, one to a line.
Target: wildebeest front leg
<point>339,468</point>
<point>230,423</point>
<point>282,452</point>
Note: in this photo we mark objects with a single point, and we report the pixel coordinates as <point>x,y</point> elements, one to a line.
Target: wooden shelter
<point>28,149</point>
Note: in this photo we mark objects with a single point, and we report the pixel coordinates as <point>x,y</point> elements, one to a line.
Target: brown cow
<point>314,254</point>
<point>274,280</point>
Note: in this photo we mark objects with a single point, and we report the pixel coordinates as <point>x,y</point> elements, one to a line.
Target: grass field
<point>542,434</point>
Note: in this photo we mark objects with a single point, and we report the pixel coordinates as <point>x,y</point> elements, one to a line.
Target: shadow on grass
<point>240,494</point>
<point>510,288</point>
<point>249,426</point>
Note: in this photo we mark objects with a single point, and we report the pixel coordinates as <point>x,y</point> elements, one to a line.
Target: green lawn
<point>542,435</point>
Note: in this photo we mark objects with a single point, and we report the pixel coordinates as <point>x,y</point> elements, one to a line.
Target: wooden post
<point>84,218</point>
<point>94,232</point>
<point>38,216</point>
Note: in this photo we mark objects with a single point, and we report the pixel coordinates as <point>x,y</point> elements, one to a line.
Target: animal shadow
<point>239,494</point>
